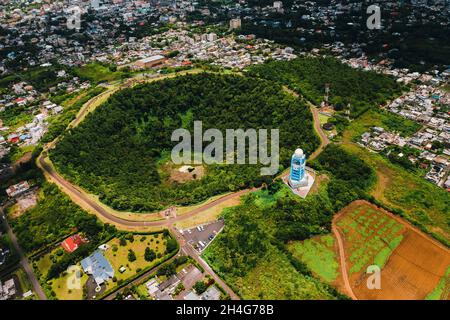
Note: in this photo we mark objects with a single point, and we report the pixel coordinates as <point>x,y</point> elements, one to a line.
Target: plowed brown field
<point>411,271</point>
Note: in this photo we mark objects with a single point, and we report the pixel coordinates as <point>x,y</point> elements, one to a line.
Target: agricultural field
<point>423,203</point>
<point>412,264</point>
<point>442,290</point>
<point>371,237</point>
<point>250,254</point>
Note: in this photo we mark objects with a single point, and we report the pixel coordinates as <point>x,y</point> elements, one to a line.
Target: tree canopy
<point>348,86</point>
<point>117,151</point>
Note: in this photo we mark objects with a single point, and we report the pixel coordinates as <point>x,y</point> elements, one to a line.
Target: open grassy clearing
<point>96,72</point>
<point>44,262</point>
<point>208,215</point>
<point>319,255</point>
<point>61,289</point>
<point>25,283</point>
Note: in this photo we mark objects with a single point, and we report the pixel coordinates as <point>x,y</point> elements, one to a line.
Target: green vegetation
<point>16,116</point>
<point>406,193</point>
<point>132,255</point>
<point>254,253</point>
<point>382,257</point>
<point>115,152</point>
<point>200,287</point>
<point>348,86</point>
<point>351,175</point>
<point>41,78</point>
<point>12,258</point>
<point>97,72</point>
<point>59,123</point>
<point>55,217</point>
<point>440,291</point>
<point>372,236</point>
<point>381,118</point>
<point>319,255</point>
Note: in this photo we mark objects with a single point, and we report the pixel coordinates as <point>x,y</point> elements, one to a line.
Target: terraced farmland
<point>413,265</point>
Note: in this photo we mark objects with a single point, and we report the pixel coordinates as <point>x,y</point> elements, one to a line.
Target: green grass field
<point>96,73</point>
<point>59,286</point>
<point>274,277</point>
<point>119,258</point>
<point>319,255</point>
<point>45,261</point>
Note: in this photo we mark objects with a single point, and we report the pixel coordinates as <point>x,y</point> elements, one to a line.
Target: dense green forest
<point>116,151</point>
<point>348,86</point>
<point>268,219</point>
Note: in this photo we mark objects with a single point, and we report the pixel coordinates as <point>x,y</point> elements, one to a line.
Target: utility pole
<point>327,93</point>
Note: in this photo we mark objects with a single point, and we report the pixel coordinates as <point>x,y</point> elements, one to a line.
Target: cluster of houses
<point>166,290</point>
<point>8,289</point>
<point>227,51</point>
<point>95,265</point>
<point>36,106</point>
<point>379,139</point>
<point>24,195</point>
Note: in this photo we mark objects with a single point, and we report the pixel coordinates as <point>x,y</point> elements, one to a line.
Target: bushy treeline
<point>58,124</point>
<point>351,176</point>
<point>55,217</point>
<point>115,151</point>
<point>348,86</point>
<point>252,231</point>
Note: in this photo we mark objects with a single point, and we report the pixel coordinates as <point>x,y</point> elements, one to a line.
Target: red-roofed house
<point>72,243</point>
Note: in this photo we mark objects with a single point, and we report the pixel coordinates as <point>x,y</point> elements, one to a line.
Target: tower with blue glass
<point>297,176</point>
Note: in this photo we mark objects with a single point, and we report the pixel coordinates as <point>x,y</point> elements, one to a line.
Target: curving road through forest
<point>80,197</point>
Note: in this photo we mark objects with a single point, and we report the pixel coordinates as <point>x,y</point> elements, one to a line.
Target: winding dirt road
<point>324,141</point>
<point>80,197</point>
<point>342,259</point>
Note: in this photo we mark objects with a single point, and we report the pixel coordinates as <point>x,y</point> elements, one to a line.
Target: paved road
<point>80,197</point>
<point>190,251</point>
<point>23,260</point>
<point>324,141</point>
<point>186,249</point>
